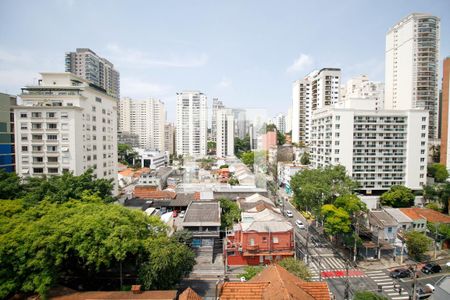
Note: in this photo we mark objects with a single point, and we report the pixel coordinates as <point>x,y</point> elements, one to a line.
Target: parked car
<point>289,213</point>
<point>431,268</point>
<point>425,292</point>
<point>174,213</point>
<point>400,273</point>
<point>182,213</point>
<point>300,224</point>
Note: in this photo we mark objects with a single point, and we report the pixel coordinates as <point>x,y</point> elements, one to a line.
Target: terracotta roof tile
<point>243,290</point>
<point>189,294</point>
<point>430,215</point>
<point>145,192</point>
<point>146,295</point>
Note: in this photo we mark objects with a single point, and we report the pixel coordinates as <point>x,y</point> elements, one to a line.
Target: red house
<point>260,238</point>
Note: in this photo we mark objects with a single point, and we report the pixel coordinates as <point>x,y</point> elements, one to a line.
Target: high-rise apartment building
<point>412,57</point>
<point>146,118</point>
<point>378,148</point>
<point>66,124</point>
<point>360,87</point>
<point>86,64</point>
<point>192,123</point>
<point>240,123</point>
<point>315,91</point>
<point>225,133</point>
<point>216,105</point>
<point>280,123</point>
<point>169,138</point>
<point>7,148</point>
<point>445,140</point>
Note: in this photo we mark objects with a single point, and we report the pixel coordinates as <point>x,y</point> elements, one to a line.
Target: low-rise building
<point>421,216</point>
<point>253,201</point>
<point>151,159</point>
<point>285,173</point>
<point>404,222</point>
<point>383,226</point>
<point>260,238</point>
<point>203,220</point>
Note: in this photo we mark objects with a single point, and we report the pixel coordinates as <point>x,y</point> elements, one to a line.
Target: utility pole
<point>435,239</point>
<point>355,238</point>
<point>225,262</point>
<point>307,244</point>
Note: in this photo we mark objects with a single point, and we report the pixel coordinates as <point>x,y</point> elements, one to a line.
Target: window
<point>36,137</point>
<point>38,159</point>
<point>389,229</point>
<point>52,159</point>
<point>422,159</point>
<point>52,148</point>
<point>37,148</point>
<point>103,111</point>
<point>52,126</point>
<point>264,239</point>
<point>51,115</point>
<point>421,175</point>
<point>38,170</point>
<point>251,241</point>
<point>36,115</point>
<point>25,159</point>
<point>52,137</point>
<point>23,115</point>
<point>25,148</point>
<point>23,126</point>
<point>424,127</point>
<point>65,137</point>
<point>24,137</point>
<point>424,119</point>
<point>64,115</point>
<point>99,100</point>
<point>36,126</point>
<point>423,135</point>
<point>53,170</point>
<point>275,240</point>
<point>422,151</point>
<point>93,108</point>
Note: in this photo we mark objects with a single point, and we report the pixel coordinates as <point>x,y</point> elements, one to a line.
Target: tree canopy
<point>398,196</point>
<point>304,160</point>
<point>417,243</point>
<point>230,213</point>
<point>336,220</point>
<point>315,187</point>
<point>350,203</point>
<point>368,295</point>
<point>296,267</point>
<point>241,145</point>
<point>438,172</point>
<point>66,226</point>
<point>126,154</point>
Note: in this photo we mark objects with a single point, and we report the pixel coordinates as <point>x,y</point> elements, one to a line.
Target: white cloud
<point>138,58</point>
<point>225,83</point>
<point>302,63</point>
<point>138,88</point>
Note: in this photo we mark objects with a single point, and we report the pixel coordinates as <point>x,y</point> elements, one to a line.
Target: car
<point>174,213</point>
<point>289,213</point>
<point>425,292</point>
<point>400,273</point>
<point>300,224</point>
<point>431,268</point>
<point>182,213</point>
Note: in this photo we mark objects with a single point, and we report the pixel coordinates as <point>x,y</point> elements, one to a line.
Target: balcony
<point>253,247</point>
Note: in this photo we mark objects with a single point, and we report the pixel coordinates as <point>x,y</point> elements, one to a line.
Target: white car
<point>181,215</point>
<point>289,213</point>
<point>300,224</point>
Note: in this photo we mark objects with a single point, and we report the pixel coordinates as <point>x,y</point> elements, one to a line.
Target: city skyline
<point>236,64</point>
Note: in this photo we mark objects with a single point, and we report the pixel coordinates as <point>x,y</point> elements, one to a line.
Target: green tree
<point>182,236</point>
<point>315,187</point>
<point>62,188</point>
<point>230,213</point>
<point>417,243</point>
<point>233,181</point>
<point>296,267</point>
<point>433,206</point>
<point>223,166</point>
<point>251,271</point>
<point>167,263</point>
<point>438,172</point>
<point>398,196</point>
<point>126,154</point>
<point>241,145</point>
<point>350,203</point>
<point>304,160</point>
<point>211,145</point>
<point>336,220</point>
<point>281,138</point>
<point>368,295</point>
<point>10,185</point>
<point>248,158</point>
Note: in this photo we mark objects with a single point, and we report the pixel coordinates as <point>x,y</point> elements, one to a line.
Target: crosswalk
<point>328,264</point>
<point>387,283</point>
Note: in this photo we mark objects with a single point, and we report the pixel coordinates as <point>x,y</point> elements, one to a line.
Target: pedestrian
<point>400,290</point>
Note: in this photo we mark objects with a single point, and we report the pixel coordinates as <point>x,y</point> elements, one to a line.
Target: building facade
<point>360,87</point>
<point>411,71</point>
<point>445,155</point>
<point>7,146</point>
<point>224,133</point>
<point>192,123</point>
<point>216,105</point>
<point>280,122</point>
<point>315,91</point>
<point>378,148</point>
<point>146,118</point>
<point>66,124</point>
<point>86,64</point>
<point>169,138</point>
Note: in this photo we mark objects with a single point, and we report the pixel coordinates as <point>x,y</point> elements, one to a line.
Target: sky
<point>247,53</point>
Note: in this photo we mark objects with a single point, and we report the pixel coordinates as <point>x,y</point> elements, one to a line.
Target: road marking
<point>400,297</point>
<point>378,276</point>
<point>377,271</point>
<point>382,280</point>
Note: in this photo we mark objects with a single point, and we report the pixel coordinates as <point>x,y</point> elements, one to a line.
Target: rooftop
<point>274,282</point>
<point>398,215</point>
<point>202,213</point>
<point>381,219</point>
<point>430,215</point>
